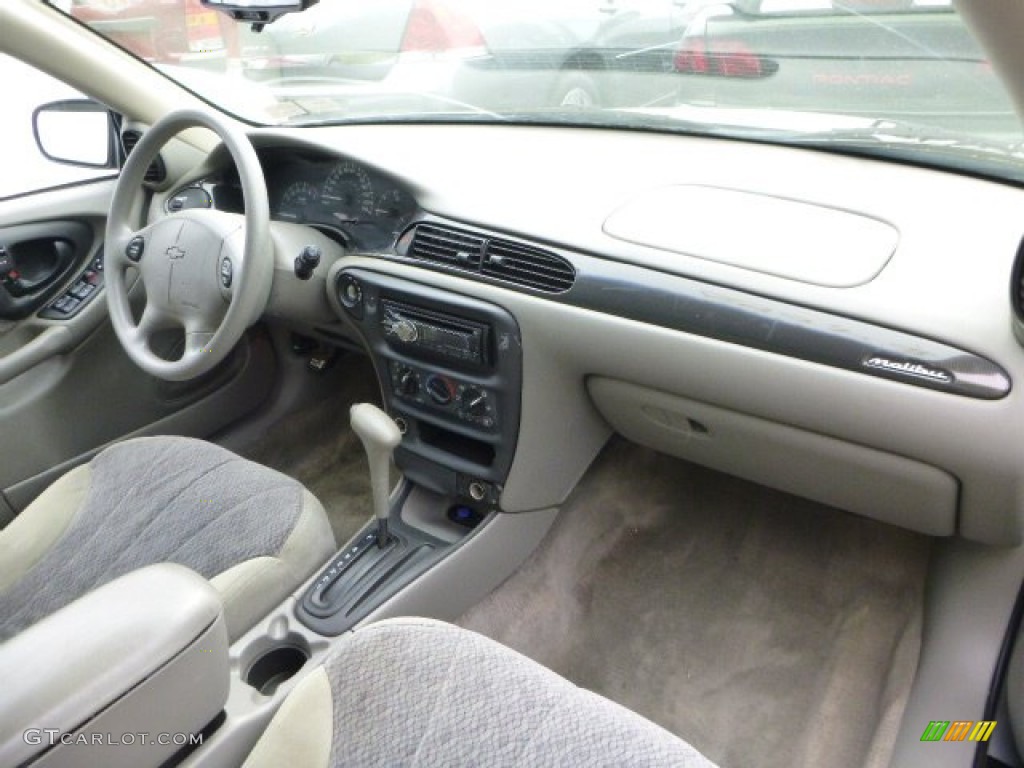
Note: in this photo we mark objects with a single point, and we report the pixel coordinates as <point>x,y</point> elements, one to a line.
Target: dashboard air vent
<point>496,258</point>
<point>527,266</point>
<point>445,245</point>
<point>157,172</point>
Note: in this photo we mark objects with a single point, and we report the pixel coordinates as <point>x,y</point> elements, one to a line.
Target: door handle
<point>34,260</point>
<point>49,260</point>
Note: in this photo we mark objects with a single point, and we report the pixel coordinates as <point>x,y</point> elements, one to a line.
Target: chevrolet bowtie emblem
<point>174,252</point>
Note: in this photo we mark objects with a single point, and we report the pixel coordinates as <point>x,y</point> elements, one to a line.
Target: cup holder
<point>276,664</point>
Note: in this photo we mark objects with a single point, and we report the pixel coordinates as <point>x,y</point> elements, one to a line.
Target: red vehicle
<point>158,30</point>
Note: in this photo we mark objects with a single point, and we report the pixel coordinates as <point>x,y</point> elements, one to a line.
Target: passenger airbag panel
<point>787,238</point>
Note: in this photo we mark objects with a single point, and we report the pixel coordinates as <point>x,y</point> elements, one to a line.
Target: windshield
<point>891,77</point>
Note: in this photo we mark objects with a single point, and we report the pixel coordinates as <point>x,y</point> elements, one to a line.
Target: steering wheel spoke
<point>153,319</point>
<point>179,257</point>
<point>199,344</point>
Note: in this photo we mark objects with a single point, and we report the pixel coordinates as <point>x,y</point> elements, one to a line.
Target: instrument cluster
<point>357,205</point>
<point>366,208</point>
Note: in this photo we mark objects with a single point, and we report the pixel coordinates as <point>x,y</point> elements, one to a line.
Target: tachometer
<point>296,201</point>
<point>348,193</point>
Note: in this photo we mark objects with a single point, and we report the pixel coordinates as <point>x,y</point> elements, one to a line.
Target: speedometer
<point>348,193</point>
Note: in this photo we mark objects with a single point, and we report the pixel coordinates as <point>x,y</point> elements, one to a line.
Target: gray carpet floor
<point>766,630</point>
<point>316,446</point>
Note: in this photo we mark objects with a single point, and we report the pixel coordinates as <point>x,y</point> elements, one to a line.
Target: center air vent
<point>492,257</point>
<point>447,246</point>
<point>157,172</point>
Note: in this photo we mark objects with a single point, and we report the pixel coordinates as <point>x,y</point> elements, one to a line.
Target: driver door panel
<point>66,386</point>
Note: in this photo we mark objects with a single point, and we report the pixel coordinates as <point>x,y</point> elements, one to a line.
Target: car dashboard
<point>852,343</point>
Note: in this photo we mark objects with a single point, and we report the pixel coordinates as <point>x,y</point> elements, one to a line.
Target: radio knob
<point>405,330</point>
<point>408,382</point>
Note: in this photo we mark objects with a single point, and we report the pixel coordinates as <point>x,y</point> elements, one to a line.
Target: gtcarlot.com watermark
<point>51,737</point>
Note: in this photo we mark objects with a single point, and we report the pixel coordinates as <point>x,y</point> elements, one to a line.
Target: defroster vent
<point>492,257</point>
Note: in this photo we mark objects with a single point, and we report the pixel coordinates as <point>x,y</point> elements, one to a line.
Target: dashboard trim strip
<point>734,316</point>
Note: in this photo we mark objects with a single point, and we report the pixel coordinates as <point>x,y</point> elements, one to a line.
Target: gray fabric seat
<point>417,692</point>
<point>253,532</point>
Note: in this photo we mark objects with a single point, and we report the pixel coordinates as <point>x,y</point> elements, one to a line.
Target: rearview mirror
<point>75,132</point>
<point>258,12</point>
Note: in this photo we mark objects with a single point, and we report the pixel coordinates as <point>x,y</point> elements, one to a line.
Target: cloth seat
<point>254,533</point>
<point>417,692</point>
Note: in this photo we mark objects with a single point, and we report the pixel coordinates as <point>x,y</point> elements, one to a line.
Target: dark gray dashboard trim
<point>730,315</point>
<point>727,314</point>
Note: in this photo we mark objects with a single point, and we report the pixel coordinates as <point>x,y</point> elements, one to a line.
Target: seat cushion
<point>417,692</point>
<point>255,533</point>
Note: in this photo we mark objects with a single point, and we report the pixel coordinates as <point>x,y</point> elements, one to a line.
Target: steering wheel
<point>206,272</point>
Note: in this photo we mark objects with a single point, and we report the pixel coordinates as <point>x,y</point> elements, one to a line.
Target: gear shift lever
<point>379,435</point>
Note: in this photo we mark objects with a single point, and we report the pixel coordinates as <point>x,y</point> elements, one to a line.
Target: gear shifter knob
<point>379,435</point>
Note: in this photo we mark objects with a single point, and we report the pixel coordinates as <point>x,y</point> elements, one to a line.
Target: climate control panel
<point>444,393</point>
<point>451,371</point>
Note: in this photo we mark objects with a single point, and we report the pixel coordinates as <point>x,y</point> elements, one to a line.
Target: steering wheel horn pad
<point>181,257</point>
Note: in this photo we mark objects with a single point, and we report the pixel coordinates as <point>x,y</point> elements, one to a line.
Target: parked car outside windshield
<point>899,78</point>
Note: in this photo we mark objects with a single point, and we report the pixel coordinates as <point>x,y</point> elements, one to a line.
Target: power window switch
<point>65,305</point>
<point>61,305</point>
<point>82,290</point>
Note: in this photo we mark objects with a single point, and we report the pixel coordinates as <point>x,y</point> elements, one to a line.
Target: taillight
<point>691,57</point>
<point>726,58</point>
<point>435,27</point>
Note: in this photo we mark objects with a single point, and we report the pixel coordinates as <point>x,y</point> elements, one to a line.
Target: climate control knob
<point>439,389</point>
<point>474,402</point>
<point>408,383</point>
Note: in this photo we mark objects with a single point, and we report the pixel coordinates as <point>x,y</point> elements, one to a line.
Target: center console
<point>451,370</point>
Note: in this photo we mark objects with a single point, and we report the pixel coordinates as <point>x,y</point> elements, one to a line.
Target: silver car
<point>495,56</point>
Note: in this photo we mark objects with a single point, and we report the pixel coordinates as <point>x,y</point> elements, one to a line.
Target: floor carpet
<point>766,630</point>
<point>316,446</point>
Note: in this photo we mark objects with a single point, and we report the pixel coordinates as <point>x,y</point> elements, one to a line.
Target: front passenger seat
<point>418,692</point>
<point>253,532</point>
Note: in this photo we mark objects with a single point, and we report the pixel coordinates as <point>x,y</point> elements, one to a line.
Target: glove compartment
<point>866,481</point>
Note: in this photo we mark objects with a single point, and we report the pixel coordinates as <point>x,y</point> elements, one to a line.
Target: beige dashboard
<point>936,251</point>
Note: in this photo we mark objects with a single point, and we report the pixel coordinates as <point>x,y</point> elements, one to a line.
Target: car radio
<point>441,335</point>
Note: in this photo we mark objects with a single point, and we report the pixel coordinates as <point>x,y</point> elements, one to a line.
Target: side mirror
<point>76,132</point>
